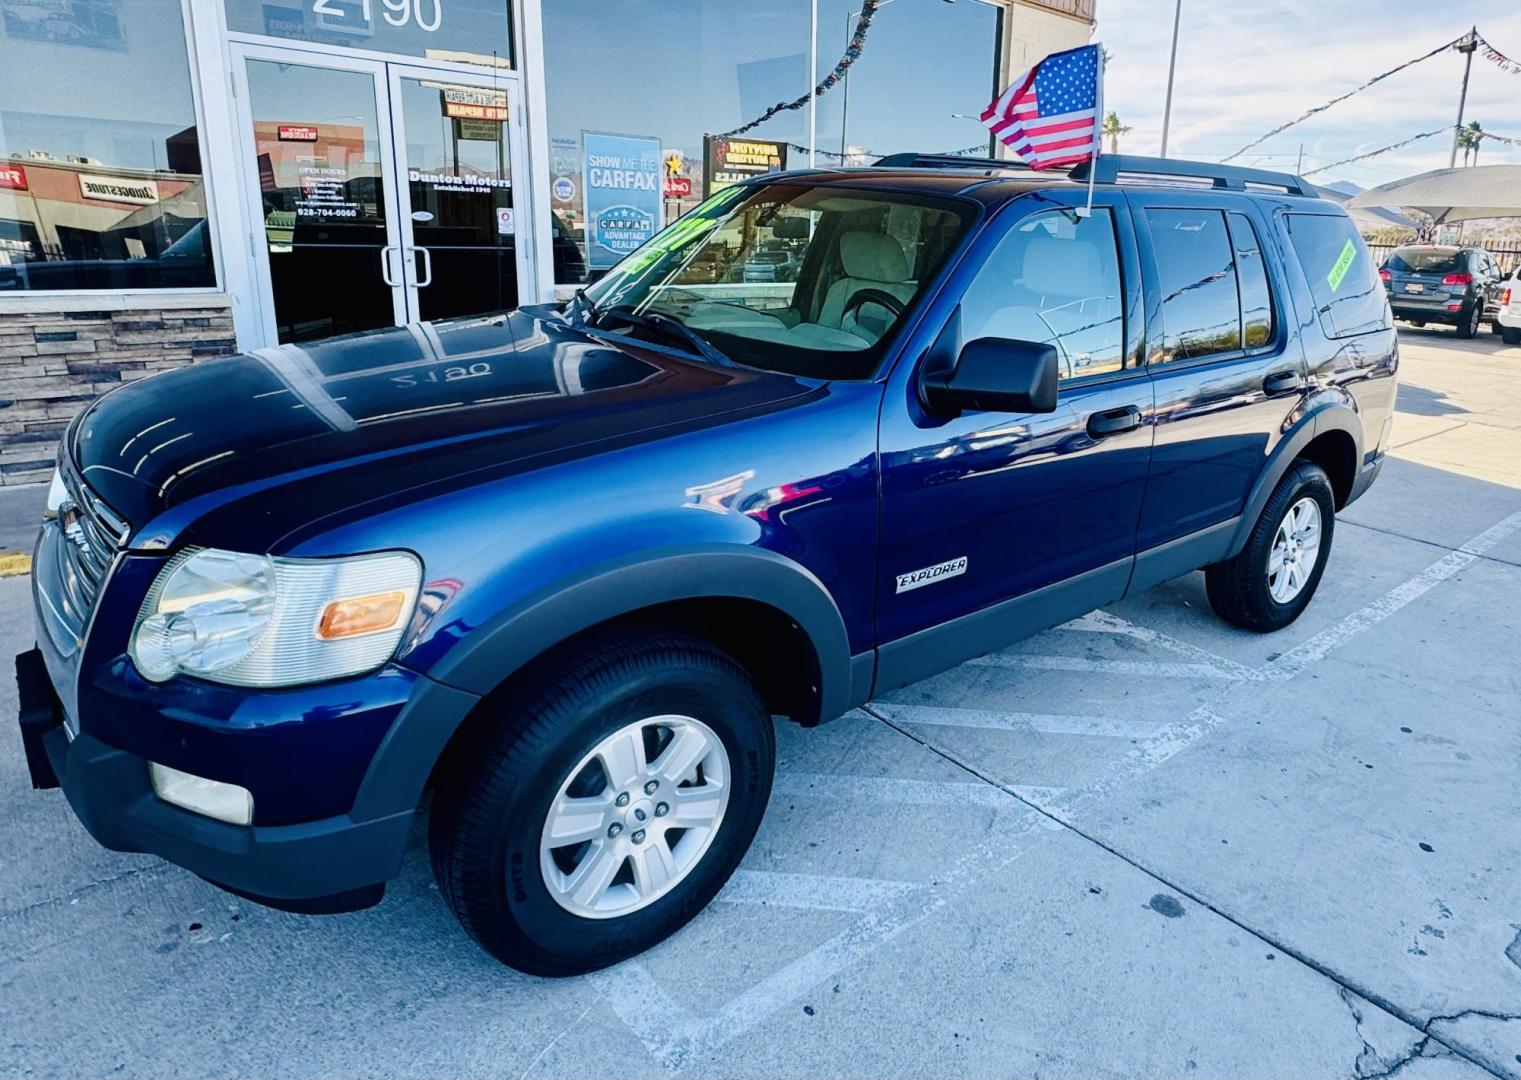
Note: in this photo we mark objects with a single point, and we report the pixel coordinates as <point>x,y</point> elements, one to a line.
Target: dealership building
<point>180,179</point>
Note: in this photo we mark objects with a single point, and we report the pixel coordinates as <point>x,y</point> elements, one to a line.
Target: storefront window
<point>100,163</point>
<point>681,70</point>
<point>466,31</point>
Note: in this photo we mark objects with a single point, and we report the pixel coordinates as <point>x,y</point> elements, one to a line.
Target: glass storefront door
<point>385,192</point>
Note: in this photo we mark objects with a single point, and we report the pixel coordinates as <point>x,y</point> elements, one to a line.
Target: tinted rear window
<point>1349,296</point>
<point>1425,261</point>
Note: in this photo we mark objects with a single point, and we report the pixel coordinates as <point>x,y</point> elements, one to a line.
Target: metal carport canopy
<point>1483,191</point>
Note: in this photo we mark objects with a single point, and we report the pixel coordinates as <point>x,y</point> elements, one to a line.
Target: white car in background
<point>1508,319</point>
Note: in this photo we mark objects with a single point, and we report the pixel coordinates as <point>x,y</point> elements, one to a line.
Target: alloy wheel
<point>1296,548</point>
<point>635,816</point>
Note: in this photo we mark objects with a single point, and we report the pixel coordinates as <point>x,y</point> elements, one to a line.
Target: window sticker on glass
<point>1343,264</point>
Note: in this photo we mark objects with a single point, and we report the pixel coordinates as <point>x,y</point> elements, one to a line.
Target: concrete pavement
<point>1140,845</point>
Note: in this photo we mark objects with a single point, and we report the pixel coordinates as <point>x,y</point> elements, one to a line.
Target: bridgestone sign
<point>118,189</point>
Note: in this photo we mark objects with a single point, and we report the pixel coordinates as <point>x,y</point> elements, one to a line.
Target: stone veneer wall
<point>57,356</point>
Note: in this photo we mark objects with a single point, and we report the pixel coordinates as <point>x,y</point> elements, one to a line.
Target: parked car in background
<point>555,573</point>
<point>1443,284</point>
<point>1508,317</point>
<point>775,261</point>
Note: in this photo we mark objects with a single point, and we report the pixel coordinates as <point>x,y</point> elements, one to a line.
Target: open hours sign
<point>620,176</point>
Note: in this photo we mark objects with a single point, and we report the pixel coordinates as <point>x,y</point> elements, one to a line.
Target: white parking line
<point>816,892</point>
<point>1035,723</point>
<point>677,1037</point>
<point>885,789</point>
<point>1102,622</point>
<point>1146,669</point>
<point>1304,654</point>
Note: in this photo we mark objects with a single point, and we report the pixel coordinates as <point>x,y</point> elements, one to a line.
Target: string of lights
<point>852,54</point>
<point>1498,58</point>
<point>1381,150</point>
<point>1343,97</point>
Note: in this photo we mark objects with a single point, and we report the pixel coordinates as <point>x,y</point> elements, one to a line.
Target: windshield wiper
<point>670,327</point>
<point>585,307</point>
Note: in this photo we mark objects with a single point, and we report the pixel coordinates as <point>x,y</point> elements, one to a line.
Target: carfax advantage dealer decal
<point>621,180</point>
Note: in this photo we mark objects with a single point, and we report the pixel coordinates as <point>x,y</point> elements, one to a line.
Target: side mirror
<point>996,375</point>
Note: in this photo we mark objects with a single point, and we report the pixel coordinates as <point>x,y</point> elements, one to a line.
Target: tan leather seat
<point>872,261</point>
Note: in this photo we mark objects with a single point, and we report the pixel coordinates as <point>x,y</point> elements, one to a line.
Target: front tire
<point>1270,583</point>
<point>606,809</point>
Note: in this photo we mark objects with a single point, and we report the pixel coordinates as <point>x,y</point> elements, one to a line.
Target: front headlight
<point>254,620</point>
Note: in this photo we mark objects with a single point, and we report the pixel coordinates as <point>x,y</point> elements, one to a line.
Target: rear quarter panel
<point>1357,372</point>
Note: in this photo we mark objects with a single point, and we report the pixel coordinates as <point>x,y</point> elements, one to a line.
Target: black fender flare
<point>557,612</point>
<point>1333,415</point>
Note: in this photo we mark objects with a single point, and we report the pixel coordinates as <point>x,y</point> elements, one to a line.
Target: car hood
<point>397,408</point>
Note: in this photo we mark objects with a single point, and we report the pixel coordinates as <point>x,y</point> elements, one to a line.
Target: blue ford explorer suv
<point>554,573</point>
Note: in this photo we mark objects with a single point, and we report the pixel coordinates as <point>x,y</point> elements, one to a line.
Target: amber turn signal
<point>361,615</point>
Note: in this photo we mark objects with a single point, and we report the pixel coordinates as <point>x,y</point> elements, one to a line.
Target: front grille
<point>74,556</point>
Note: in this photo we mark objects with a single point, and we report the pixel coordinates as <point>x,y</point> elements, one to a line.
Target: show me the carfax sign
<point>621,181</point>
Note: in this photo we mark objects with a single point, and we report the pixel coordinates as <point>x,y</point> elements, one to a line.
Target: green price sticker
<point>1343,264</point>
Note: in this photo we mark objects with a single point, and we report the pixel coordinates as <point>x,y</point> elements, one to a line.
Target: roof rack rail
<point>1111,167</point>
<point>947,161</point>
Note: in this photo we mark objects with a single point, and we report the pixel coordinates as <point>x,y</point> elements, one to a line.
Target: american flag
<point>1049,116</point>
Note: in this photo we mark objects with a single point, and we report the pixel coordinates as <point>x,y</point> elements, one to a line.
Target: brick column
<point>56,357</point>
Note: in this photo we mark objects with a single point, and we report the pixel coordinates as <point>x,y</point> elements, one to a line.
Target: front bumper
<point>337,863</point>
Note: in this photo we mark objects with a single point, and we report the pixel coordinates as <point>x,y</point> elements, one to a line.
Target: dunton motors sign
<point>119,189</point>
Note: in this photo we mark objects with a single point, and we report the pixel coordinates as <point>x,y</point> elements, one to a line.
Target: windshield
<point>1416,260</point>
<point>789,277</point>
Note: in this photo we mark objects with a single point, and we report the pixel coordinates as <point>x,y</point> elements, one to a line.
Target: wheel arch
<point>776,618</point>
<point>1331,437</point>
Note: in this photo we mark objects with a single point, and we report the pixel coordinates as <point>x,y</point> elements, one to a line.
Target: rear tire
<point>1270,583</point>
<point>508,819</point>
<point>1468,325</point>
<point>1511,335</point>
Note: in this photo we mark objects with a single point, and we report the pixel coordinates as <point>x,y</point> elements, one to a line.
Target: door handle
<point>1114,422</point>
<point>427,267</point>
<point>1282,382</point>
<point>385,265</point>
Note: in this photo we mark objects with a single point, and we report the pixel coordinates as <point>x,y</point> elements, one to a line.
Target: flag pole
<point>1098,136</point>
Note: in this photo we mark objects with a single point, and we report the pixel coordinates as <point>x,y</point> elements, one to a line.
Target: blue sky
<point>1243,69</point>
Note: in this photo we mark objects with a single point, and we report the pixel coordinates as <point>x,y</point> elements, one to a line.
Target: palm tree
<point>1469,138</point>
<point>1112,130</point>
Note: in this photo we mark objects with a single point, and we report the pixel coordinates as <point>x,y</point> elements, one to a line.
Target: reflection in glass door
<point>327,207</point>
<point>384,191</point>
<point>454,155</point>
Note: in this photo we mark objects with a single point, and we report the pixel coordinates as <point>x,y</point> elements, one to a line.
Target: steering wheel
<point>871,296</point>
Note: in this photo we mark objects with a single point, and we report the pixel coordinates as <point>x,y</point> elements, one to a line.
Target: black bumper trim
<point>333,864</point>
<point>39,713</point>
<point>109,791</point>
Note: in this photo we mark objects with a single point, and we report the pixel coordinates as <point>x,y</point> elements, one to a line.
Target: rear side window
<point>1196,265</point>
<point>1252,278</point>
<point>1348,294</point>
